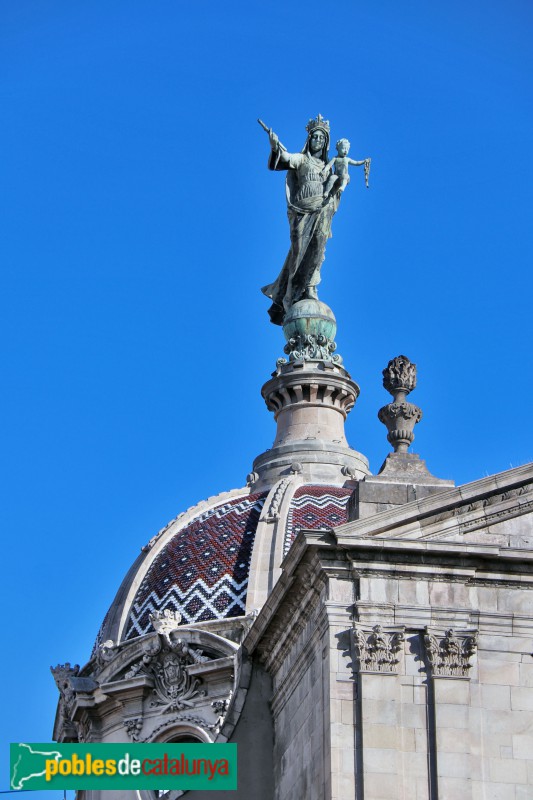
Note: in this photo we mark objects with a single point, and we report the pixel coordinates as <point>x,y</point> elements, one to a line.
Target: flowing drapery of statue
<point>314,187</point>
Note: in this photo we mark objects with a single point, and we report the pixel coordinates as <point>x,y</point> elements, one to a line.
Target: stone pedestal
<point>310,401</point>
<point>403,478</point>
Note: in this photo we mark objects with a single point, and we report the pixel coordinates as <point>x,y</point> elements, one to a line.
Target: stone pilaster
<point>450,662</point>
<point>378,656</point>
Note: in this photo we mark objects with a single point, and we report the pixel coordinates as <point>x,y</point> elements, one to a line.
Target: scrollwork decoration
<point>167,664</point>
<point>310,347</point>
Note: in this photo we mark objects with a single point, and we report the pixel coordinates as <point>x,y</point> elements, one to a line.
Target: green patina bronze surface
<point>310,318</point>
<point>310,329</point>
<point>313,187</point>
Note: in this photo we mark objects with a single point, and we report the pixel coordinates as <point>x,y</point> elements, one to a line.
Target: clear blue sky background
<point>139,221</point>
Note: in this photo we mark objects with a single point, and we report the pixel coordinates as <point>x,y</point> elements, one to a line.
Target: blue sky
<point>139,221</point>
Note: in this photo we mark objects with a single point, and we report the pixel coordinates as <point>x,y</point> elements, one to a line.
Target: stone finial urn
<point>400,417</point>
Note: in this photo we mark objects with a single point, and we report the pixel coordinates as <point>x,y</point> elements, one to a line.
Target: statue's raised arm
<point>312,200</point>
<point>275,144</point>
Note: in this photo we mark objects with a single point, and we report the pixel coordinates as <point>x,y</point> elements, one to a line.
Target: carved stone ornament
<point>377,650</point>
<point>62,674</point>
<point>251,478</point>
<point>221,708</point>
<point>349,472</point>
<point>134,728</point>
<point>151,649</point>
<point>174,689</point>
<point>400,417</point>
<point>84,728</point>
<point>164,622</point>
<point>106,652</point>
<point>193,719</point>
<point>272,513</point>
<point>399,374</point>
<point>449,655</point>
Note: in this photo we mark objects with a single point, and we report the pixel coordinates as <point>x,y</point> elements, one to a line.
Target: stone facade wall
<point>502,716</point>
<point>427,735</point>
<point>300,716</point>
<point>342,732</point>
<point>402,668</point>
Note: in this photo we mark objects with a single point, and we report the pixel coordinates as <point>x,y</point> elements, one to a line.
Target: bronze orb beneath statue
<point>309,318</point>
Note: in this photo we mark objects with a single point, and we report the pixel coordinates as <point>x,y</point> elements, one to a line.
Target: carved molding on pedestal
<point>295,388</point>
<point>378,650</point>
<point>309,347</point>
<point>449,656</point>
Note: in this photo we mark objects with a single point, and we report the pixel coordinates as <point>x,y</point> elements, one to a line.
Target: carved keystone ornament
<point>164,622</point>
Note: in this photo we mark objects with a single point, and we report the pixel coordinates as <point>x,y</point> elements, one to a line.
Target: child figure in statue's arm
<point>338,181</point>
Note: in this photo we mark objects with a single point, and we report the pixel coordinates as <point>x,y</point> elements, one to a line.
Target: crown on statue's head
<point>319,122</point>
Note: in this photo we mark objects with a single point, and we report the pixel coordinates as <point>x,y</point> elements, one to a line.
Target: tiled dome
<point>202,572</point>
<point>200,563</point>
<point>315,507</point>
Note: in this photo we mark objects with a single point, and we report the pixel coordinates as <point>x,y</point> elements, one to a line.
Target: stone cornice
<point>509,555</point>
<point>291,583</point>
<point>466,563</point>
<point>295,666</point>
<point>287,625</point>
<point>358,545</point>
<point>467,507</point>
<point>442,561</point>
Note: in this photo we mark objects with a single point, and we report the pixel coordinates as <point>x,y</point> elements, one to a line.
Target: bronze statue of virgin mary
<point>310,210</point>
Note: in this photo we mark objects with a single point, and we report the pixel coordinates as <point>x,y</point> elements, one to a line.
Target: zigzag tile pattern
<point>100,635</point>
<point>316,507</point>
<point>203,571</point>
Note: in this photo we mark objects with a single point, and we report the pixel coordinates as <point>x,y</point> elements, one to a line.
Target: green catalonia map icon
<point>29,764</point>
